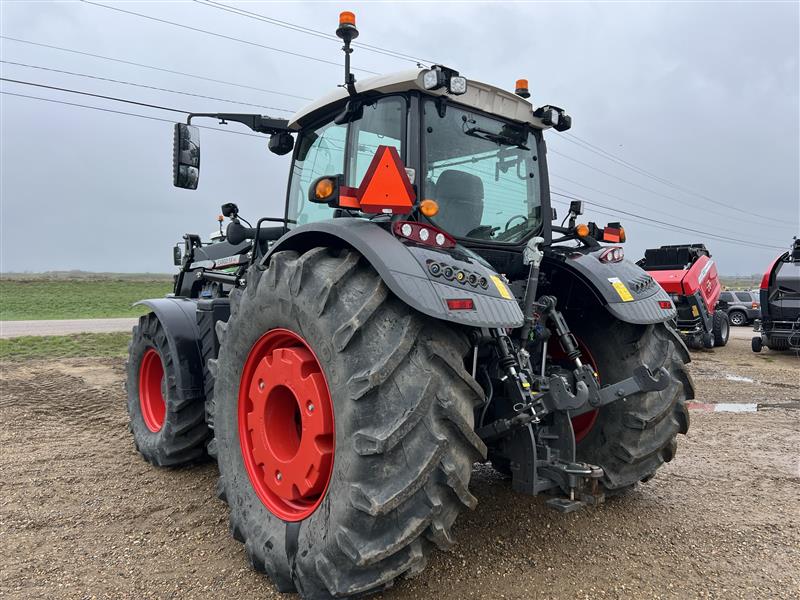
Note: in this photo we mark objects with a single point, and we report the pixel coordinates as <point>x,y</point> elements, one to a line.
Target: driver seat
<point>460,198</point>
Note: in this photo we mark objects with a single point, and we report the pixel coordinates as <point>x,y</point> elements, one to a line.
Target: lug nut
<point>261,385</point>
<point>310,407</point>
<point>279,476</point>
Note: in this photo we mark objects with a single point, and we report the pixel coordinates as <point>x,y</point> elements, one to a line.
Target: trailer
<point>689,275</point>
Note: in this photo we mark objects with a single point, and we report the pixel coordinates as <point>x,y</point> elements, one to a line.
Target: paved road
<point>11,329</point>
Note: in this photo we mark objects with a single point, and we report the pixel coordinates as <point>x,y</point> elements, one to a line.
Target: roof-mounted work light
<point>439,76</point>
<point>554,117</point>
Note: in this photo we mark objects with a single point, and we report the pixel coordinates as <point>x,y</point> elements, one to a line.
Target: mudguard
<point>625,289</point>
<point>409,272</point>
<point>178,317</point>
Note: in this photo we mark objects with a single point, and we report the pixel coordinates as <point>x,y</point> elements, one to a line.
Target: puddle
<point>723,407</point>
<point>738,378</point>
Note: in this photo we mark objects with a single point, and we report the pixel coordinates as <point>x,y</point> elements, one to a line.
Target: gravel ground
<point>82,516</point>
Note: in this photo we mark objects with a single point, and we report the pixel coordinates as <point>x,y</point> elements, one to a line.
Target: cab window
<point>322,152</point>
<point>383,124</point>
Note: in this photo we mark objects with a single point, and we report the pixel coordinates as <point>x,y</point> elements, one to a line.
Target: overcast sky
<point>702,95</point>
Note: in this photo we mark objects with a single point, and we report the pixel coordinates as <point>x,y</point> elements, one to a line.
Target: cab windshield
<point>483,173</point>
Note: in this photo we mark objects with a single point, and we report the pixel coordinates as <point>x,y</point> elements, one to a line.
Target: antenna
<point>347,32</point>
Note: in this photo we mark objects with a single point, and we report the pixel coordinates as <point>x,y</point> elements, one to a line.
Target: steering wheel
<point>514,218</point>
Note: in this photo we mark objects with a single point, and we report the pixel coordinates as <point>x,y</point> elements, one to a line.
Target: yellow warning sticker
<point>501,287</point>
<point>622,291</point>
<point>695,312</point>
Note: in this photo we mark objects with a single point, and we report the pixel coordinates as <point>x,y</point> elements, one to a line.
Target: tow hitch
<point>538,435</point>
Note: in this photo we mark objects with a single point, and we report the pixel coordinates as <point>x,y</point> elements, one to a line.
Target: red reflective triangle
<point>386,187</point>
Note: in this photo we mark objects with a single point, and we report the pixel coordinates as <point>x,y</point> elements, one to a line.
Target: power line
<point>644,206</point>
<point>665,223</point>
<point>307,30</point>
<point>142,85</point>
<point>611,157</point>
<point>145,66</point>
<point>60,89</point>
<point>221,35</point>
<point>120,112</point>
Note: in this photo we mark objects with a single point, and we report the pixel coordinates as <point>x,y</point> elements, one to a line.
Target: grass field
<point>66,346</point>
<point>40,297</point>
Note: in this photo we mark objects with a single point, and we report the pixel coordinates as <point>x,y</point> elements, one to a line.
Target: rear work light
<point>614,254</point>
<point>423,234</point>
<point>460,304</point>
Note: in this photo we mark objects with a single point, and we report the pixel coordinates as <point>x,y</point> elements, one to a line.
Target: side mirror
<point>186,156</point>
<point>281,143</point>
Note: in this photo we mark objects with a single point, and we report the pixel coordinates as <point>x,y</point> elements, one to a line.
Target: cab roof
<point>480,96</point>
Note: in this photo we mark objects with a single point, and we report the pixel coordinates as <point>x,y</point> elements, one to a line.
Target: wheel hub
<point>286,427</point>
<point>151,390</point>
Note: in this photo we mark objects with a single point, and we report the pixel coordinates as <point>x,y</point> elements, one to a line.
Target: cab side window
<point>320,152</point>
<point>383,124</point>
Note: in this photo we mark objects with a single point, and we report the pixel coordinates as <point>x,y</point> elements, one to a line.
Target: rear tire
<point>722,329</point>
<point>756,344</point>
<point>403,444</point>
<point>168,425</point>
<point>632,438</point>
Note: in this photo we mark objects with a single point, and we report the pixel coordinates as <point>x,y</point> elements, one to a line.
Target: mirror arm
<point>257,123</point>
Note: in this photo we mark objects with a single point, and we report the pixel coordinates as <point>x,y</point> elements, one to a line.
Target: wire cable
<point>154,68</point>
<point>221,35</point>
<point>599,151</point>
<point>646,207</point>
<point>103,97</point>
<point>307,30</point>
<point>121,112</point>
<point>571,196</point>
<point>142,85</point>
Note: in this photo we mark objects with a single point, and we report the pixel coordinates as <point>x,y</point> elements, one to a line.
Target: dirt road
<point>81,515</point>
<point>11,329</point>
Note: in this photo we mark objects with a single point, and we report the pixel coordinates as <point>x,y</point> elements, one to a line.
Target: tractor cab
<point>474,159</point>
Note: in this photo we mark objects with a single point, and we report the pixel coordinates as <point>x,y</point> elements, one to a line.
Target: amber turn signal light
<point>582,230</point>
<point>324,189</point>
<point>429,208</point>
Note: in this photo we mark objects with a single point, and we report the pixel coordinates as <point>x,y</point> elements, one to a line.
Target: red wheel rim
<point>151,393</point>
<point>286,428</point>
<point>582,424</point>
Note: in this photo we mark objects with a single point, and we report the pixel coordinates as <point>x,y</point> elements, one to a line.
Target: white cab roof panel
<point>480,96</point>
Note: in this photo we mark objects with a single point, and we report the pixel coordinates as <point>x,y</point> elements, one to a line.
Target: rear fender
<point>404,268</point>
<point>623,288</point>
<point>178,317</point>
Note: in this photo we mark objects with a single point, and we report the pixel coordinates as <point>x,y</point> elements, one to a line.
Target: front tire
<point>168,424</point>
<point>633,437</point>
<point>402,415</point>
<point>722,328</point>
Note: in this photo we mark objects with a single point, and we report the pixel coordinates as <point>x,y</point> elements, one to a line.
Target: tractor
<point>412,312</point>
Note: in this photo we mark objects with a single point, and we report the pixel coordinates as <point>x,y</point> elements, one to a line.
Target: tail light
<point>423,234</point>
<point>755,305</point>
<point>460,304</point>
<point>665,304</point>
<point>614,254</point>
